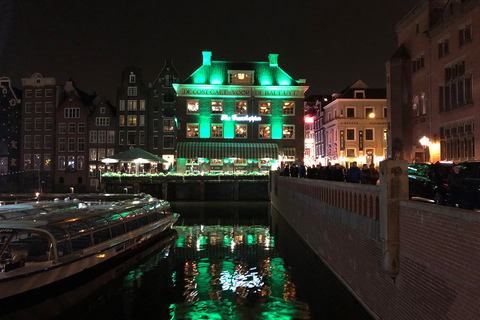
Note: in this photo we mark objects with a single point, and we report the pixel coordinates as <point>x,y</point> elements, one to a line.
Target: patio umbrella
<point>136,155</point>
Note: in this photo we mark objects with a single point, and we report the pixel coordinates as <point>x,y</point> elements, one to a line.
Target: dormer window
<point>240,77</point>
<point>359,94</point>
<point>132,78</point>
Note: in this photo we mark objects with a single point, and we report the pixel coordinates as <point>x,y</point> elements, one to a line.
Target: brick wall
<point>439,251</point>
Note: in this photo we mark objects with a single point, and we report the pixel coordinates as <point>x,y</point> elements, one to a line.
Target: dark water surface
<point>224,260</point>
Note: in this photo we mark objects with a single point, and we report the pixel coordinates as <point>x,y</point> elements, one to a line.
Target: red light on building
<point>309,120</point>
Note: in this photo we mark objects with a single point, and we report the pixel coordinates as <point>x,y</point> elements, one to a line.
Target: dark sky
<point>331,43</point>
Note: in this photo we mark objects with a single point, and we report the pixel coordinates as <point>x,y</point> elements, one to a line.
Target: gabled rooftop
<point>264,73</point>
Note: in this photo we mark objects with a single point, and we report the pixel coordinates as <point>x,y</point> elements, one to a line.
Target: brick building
<point>431,84</point>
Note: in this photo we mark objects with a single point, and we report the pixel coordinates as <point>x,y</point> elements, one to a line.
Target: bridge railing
<point>363,199</point>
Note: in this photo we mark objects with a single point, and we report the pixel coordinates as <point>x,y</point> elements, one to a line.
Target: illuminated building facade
<point>239,116</point>
<point>314,131</point>
<point>10,110</point>
<point>355,125</point>
<point>431,83</point>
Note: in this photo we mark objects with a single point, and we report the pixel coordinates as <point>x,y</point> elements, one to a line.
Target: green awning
<point>225,150</point>
<point>289,151</point>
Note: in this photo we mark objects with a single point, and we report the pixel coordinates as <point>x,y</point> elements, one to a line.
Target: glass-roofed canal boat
<point>44,242</point>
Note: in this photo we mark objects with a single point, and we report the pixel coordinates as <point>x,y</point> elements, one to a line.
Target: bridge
<point>402,259</point>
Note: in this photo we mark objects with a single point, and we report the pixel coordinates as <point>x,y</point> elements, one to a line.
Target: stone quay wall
<point>402,259</point>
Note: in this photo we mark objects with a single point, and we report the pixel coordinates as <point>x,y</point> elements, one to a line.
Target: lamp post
<point>424,141</point>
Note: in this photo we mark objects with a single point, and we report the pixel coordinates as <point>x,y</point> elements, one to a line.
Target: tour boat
<point>45,242</point>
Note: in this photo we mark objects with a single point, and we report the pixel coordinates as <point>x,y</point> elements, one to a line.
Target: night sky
<point>331,43</point>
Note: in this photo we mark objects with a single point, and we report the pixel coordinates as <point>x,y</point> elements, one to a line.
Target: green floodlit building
<point>239,116</point>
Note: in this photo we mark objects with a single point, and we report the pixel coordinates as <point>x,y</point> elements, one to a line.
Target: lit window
<point>142,105</point>
<point>264,132</point>
<point>240,107</point>
<point>47,162</point>
<point>192,130</point>
<point>240,77</point>
<point>264,107</point>
<point>288,131</point>
<point>132,105</point>
<point>217,107</point>
<point>122,105</point>
<point>192,107</point>
<point>168,125</point>
<point>217,131</point>
<point>288,108</point>
<point>132,121</point>
<point>241,131</point>
<point>93,154</point>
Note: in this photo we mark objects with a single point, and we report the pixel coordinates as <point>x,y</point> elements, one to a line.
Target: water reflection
<point>233,272</point>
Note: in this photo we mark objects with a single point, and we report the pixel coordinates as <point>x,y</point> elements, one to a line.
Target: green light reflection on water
<point>234,274</point>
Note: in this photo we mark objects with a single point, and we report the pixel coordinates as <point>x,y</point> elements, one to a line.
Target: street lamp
<point>425,142</point>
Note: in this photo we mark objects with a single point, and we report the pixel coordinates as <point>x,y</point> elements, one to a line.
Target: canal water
<point>224,260</point>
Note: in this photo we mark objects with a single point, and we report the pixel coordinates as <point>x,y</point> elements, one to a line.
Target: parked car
<point>467,191</point>
<point>430,181</point>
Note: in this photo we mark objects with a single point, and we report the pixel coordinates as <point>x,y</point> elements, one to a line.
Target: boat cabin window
<point>63,248</point>
<point>82,242</point>
<point>101,235</point>
<point>22,246</point>
<point>131,225</point>
<point>117,230</point>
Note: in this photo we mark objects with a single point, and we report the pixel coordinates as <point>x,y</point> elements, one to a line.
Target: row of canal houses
<point>226,116</point>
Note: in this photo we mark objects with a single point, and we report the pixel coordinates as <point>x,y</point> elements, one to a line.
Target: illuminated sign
<point>309,120</point>
<point>240,118</point>
<point>218,90</point>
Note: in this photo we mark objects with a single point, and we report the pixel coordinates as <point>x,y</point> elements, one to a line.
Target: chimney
<point>273,59</point>
<point>207,58</point>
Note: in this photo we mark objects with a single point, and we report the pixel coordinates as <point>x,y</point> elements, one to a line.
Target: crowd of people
<point>367,175</point>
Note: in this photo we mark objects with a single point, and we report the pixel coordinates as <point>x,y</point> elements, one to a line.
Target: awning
<point>225,150</point>
<point>289,151</point>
